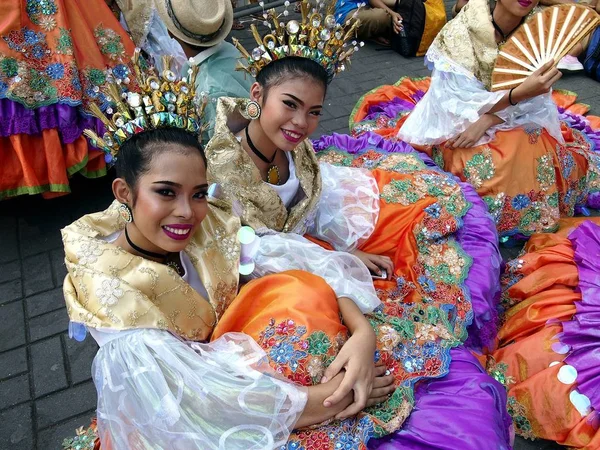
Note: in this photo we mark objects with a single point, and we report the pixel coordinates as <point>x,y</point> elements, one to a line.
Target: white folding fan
<point>549,34</point>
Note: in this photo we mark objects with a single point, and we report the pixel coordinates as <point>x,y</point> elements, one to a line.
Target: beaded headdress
<point>149,101</point>
<point>316,36</point>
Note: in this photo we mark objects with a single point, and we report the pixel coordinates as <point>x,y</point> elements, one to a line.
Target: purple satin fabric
<point>582,333</point>
<point>478,238</point>
<point>464,410</point>
<point>578,122</point>
<point>68,120</point>
<point>391,109</point>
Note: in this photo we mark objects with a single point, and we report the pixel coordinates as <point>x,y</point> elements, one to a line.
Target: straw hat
<point>201,23</point>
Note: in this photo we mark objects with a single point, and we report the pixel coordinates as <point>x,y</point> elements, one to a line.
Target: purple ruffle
<point>582,333</point>
<point>478,238</point>
<point>68,120</point>
<point>464,410</point>
<point>579,122</point>
<point>390,108</point>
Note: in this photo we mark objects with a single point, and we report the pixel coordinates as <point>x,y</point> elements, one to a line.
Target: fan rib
<point>514,71</point>
<point>517,61</point>
<point>574,30</point>
<point>525,52</point>
<point>589,28</point>
<point>540,22</point>
<point>533,45</point>
<point>552,31</point>
<point>562,32</point>
<point>506,84</point>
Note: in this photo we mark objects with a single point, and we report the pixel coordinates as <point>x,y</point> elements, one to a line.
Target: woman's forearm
<point>352,316</point>
<point>314,411</point>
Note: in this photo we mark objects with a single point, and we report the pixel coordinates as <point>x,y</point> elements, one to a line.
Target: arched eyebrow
<point>172,183</point>
<point>301,102</point>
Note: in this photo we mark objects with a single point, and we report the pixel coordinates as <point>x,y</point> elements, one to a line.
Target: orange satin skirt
<point>527,179</point>
<point>54,55</point>
<point>539,294</point>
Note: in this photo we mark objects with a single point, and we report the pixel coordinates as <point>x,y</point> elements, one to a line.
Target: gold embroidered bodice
<point>107,287</point>
<point>232,168</point>
<point>469,41</point>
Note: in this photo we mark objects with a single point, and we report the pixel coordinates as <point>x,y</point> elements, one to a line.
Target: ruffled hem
<point>477,237</point>
<point>582,333</point>
<point>466,409</point>
<point>67,120</point>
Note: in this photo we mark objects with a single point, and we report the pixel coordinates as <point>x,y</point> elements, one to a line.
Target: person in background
<point>194,33</point>
<point>377,18</point>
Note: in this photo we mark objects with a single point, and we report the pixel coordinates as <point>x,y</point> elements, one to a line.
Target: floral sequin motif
<point>534,134</point>
<point>64,43</point>
<point>291,352</point>
<point>519,415</point>
<point>438,156</point>
<point>41,11</point>
<point>480,168</point>
<point>89,253</point>
<point>348,434</point>
<point>498,371</point>
<point>110,43</point>
<point>83,440</point>
<point>545,172</point>
<point>110,292</point>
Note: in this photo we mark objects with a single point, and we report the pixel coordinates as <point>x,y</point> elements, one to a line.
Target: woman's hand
<point>376,262</point>
<point>396,21</point>
<point>472,134</point>
<point>383,385</point>
<point>356,358</point>
<point>538,83</point>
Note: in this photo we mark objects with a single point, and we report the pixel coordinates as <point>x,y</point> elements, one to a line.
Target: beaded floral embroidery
<point>480,168</point>
<point>519,415</point>
<point>84,439</point>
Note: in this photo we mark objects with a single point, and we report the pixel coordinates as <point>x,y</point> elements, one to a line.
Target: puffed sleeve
<point>158,392</point>
<point>348,208</point>
<point>344,272</point>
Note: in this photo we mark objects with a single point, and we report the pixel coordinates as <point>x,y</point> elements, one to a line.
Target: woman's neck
<point>136,238</point>
<point>260,140</point>
<point>507,21</point>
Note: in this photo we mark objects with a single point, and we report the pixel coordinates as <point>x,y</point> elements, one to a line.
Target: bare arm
<point>315,412</point>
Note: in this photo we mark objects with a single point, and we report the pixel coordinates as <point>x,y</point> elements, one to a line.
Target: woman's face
<point>519,8</point>
<point>170,200</point>
<point>291,111</point>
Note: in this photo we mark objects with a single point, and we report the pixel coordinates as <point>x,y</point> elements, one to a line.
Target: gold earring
<point>125,213</point>
<point>252,110</point>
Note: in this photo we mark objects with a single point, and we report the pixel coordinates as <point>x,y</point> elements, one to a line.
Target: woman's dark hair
<point>283,69</point>
<point>136,154</point>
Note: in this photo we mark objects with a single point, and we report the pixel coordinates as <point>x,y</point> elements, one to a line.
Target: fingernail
<point>327,404</point>
<point>324,380</point>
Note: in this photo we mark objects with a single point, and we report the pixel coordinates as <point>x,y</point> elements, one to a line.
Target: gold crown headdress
<point>150,101</point>
<point>317,36</point>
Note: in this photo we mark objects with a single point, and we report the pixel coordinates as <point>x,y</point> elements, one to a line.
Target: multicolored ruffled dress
<point>549,343</point>
<point>537,166</point>
<point>383,198</point>
<point>53,58</point>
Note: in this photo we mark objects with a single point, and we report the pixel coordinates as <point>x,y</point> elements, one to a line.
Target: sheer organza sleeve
<point>344,272</point>
<point>348,208</point>
<point>157,392</point>
<point>456,99</point>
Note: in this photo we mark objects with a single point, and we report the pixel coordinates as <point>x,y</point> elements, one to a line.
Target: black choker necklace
<point>272,171</point>
<point>499,30</point>
<point>142,251</point>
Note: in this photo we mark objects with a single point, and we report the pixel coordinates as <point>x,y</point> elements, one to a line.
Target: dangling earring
<point>252,110</point>
<point>125,213</point>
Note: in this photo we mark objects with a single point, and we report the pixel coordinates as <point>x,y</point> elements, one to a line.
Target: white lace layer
<point>455,100</point>
<point>157,392</point>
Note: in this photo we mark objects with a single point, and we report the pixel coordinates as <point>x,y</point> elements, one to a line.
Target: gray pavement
<point>46,390</point>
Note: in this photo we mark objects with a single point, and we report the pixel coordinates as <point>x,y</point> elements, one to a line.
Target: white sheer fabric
<point>457,99</point>
<point>344,272</point>
<point>157,392</point>
<point>348,208</point>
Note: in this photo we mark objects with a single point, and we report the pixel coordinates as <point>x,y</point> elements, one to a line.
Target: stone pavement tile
<point>12,326</point>
<point>13,362</point>
<point>48,324</point>
<point>9,245</point>
<point>16,430</point>
<point>48,367</point>
<point>10,271</point>
<point>40,234</point>
<point>11,290</point>
<point>65,404</point>
<point>45,302</point>
<point>38,274</point>
<point>525,444</point>
<point>80,356</point>
<point>53,437</point>
<point>14,390</point>
<point>57,259</point>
